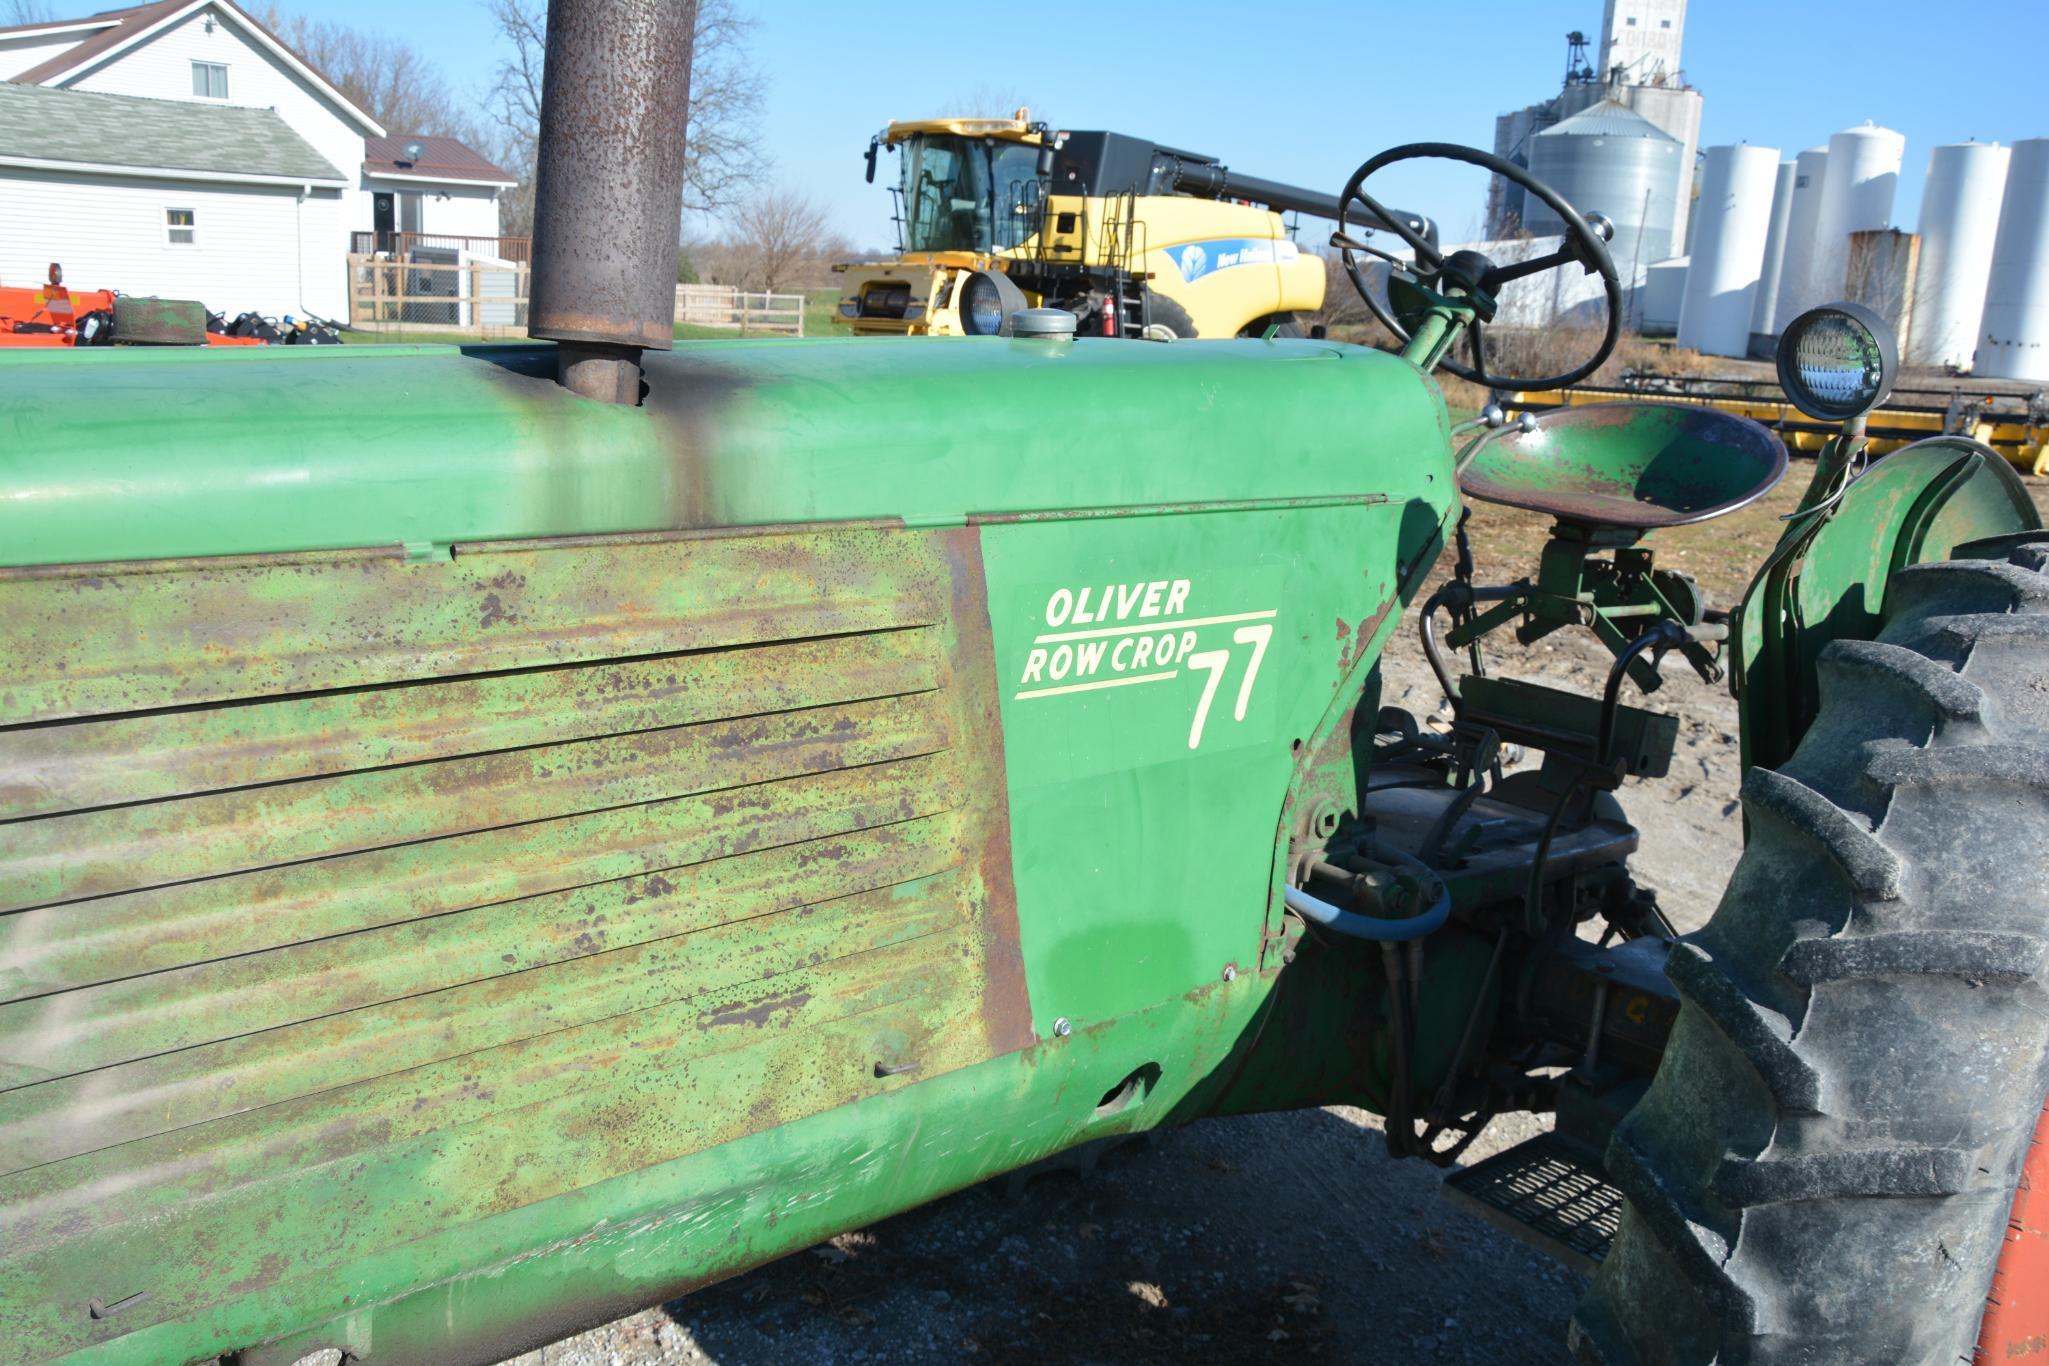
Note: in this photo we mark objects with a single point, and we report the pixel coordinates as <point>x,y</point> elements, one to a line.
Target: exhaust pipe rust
<point>608,194</point>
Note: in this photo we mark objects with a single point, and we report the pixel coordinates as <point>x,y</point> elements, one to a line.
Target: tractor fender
<point>1828,580</point>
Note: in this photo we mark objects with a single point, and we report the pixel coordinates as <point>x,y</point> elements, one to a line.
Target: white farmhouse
<point>181,149</point>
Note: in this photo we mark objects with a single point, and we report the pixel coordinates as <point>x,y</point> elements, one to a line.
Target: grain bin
<point>1609,159</point>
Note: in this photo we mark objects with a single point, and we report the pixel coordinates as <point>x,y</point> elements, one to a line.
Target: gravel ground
<point>1269,1237</point>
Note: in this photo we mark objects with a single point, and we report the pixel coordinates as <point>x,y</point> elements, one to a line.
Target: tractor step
<point>1550,1193</point>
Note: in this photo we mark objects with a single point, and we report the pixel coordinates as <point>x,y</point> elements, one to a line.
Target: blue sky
<point>1304,92</point>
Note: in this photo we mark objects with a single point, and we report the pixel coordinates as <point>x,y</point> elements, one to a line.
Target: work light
<point>987,299</point>
<point>1837,362</point>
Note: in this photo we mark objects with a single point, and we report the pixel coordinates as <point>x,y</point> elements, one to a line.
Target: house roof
<point>77,128</point>
<point>439,159</point>
<point>55,26</point>
<point>120,25</point>
<point>125,27</point>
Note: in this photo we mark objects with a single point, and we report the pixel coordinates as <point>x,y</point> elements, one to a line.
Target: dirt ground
<point>1272,1237</point>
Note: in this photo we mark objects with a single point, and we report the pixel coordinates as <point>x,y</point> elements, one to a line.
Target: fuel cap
<point>1042,322</point>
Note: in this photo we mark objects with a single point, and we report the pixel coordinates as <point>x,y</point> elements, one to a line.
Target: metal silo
<point>1609,159</point>
<point>1767,295</point>
<point>1731,220</point>
<point>1809,172</point>
<point>1959,219</point>
<point>2013,339</point>
<point>1856,196</point>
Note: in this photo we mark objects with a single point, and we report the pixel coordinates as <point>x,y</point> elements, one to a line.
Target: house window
<point>210,80</point>
<point>1664,23</point>
<point>1630,22</point>
<point>181,228</point>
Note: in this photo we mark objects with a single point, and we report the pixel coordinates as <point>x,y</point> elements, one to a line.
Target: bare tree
<point>986,101</point>
<point>25,12</point>
<point>776,242</point>
<point>720,155</point>
<point>385,78</point>
<point>516,106</point>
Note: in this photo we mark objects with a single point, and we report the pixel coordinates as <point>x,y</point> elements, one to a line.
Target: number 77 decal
<point>1216,662</point>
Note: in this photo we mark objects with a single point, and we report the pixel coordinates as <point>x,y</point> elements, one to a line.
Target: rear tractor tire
<point>1824,1166</point>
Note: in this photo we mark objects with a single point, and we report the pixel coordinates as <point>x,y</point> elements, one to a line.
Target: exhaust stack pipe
<point>608,192</point>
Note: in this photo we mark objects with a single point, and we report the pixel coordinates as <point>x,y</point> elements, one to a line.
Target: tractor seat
<point>1635,465</point>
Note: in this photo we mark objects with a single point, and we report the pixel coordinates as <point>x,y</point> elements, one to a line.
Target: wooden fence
<point>724,306</point>
<point>489,298</point>
<point>484,297</point>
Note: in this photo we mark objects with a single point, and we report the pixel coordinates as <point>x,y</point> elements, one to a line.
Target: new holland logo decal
<point>1197,259</point>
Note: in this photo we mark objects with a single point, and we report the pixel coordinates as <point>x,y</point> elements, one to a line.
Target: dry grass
<point>1548,351</point>
<point>1510,351</point>
<point>1720,555</point>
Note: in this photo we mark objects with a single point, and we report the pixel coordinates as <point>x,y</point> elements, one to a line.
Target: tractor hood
<point>146,454</point>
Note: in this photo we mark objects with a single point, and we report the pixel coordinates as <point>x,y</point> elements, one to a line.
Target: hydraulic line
<point>1426,622</point>
<point>1663,636</point>
<point>1461,598</point>
<point>1373,928</point>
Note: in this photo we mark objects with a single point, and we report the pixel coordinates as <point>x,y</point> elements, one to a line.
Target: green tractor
<point>492,837</point>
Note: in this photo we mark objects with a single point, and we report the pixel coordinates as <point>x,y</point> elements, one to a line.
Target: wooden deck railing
<point>482,297</point>
<point>404,244</point>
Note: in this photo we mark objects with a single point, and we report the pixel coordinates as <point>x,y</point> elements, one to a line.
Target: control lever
<point>1494,421</point>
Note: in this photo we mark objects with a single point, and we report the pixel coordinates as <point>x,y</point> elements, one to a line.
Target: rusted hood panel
<point>350,900</point>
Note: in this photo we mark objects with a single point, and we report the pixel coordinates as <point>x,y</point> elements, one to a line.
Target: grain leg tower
<point>1636,64</point>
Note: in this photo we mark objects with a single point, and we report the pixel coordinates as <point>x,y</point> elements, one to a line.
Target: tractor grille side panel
<point>345,900</point>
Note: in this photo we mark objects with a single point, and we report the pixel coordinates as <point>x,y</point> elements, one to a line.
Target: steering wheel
<point>1470,271</point>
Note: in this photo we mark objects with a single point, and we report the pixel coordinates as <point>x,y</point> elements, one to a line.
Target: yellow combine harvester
<point>1136,239</point>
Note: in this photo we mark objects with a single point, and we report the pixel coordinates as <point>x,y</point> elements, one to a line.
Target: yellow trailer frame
<point>2024,443</point>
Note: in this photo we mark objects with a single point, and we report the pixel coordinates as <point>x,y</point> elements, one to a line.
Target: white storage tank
<point>1658,304</point>
<point>1733,218</point>
<point>1765,303</point>
<point>1856,196</point>
<point>1959,219</point>
<point>2013,338</point>
<point>1809,173</point>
